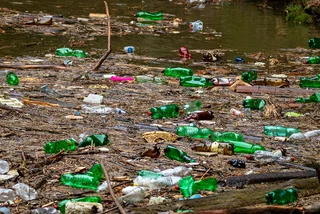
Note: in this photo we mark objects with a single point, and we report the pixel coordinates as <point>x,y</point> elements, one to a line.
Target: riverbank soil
<point>45,116</point>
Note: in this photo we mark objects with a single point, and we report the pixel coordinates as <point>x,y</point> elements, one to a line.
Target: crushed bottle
<point>7,195</point>
<point>101,109</point>
<point>96,139</point>
<point>45,210</point>
<point>249,76</point>
<point>192,107</point>
<point>314,43</point>
<point>133,194</point>
<point>282,196</point>
<point>166,111</point>
<point>313,82</point>
<point>254,104</point>
<point>156,183</point>
<point>25,192</point>
<point>313,98</point>
<point>188,186</point>
<point>184,52</point>
<point>196,26</point>
<point>149,16</point>
<point>4,166</point>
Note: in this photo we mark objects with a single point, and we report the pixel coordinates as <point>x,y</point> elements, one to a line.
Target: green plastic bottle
<point>312,60</point>
<point>313,98</point>
<point>166,111</point>
<point>189,187</point>
<point>176,154</point>
<point>64,52</point>
<point>96,139</point>
<point>279,131</point>
<point>314,43</point>
<point>177,72</point>
<point>313,82</point>
<point>248,76</point>
<point>54,147</point>
<point>195,81</point>
<point>80,181</point>
<point>96,171</point>
<point>193,106</point>
<point>254,104</point>
<point>150,16</point>
<point>150,79</point>
<point>79,53</point>
<point>12,78</point>
<point>194,132</point>
<point>62,204</point>
<point>282,196</point>
<point>244,147</point>
<point>226,136</point>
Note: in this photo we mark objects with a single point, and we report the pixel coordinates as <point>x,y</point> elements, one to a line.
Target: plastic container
<point>45,210</point>
<point>4,167</point>
<point>129,49</point>
<point>62,204</point>
<point>12,78</point>
<point>176,154</point>
<point>166,111</point>
<point>179,171</point>
<point>196,26</point>
<point>96,140</point>
<point>6,195</point>
<point>4,210</point>
<point>101,110</point>
<point>133,194</point>
<point>156,183</point>
<point>25,192</point>
<point>54,147</point>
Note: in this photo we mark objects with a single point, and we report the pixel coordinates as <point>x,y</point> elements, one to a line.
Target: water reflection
<point>244,27</point>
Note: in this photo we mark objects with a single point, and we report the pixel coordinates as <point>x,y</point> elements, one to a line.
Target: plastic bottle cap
<point>55,206</point>
<point>149,113</point>
<point>176,187</point>
<point>181,111</point>
<point>193,147</point>
<point>304,61</point>
<point>291,101</point>
<point>292,159</point>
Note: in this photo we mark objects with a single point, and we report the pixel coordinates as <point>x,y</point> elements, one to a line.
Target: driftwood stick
<point>256,210</point>
<point>274,90</point>
<point>267,177</point>
<point>235,199</point>
<point>122,211</point>
<point>17,66</point>
<point>97,66</point>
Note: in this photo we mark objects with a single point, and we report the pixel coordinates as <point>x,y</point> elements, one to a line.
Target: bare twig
<point>17,66</point>
<point>122,211</point>
<point>97,66</point>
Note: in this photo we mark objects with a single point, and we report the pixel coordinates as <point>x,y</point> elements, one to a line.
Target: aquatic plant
<point>297,14</point>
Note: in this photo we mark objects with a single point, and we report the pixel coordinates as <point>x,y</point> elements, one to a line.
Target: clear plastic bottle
<point>158,183</point>
<point>196,26</point>
<point>133,194</point>
<point>176,171</point>
<point>83,207</point>
<point>4,166</point>
<point>269,156</point>
<point>45,210</point>
<point>25,192</point>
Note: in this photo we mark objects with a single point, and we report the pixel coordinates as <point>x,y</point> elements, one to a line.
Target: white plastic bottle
<point>25,192</point>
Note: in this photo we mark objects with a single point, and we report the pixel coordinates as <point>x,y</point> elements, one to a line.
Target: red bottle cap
<point>249,157</point>
<point>291,101</point>
<point>191,25</point>
<point>55,206</point>
<point>181,111</point>
<point>292,159</point>
<point>304,61</point>
<point>176,187</point>
<point>149,113</point>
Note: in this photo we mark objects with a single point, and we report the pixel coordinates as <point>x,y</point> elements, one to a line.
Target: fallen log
<point>239,181</point>
<point>274,90</point>
<point>234,199</point>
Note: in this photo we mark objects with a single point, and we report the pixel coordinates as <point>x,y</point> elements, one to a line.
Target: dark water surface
<point>243,28</point>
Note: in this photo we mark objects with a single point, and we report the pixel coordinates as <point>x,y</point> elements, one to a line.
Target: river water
<point>241,26</point>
